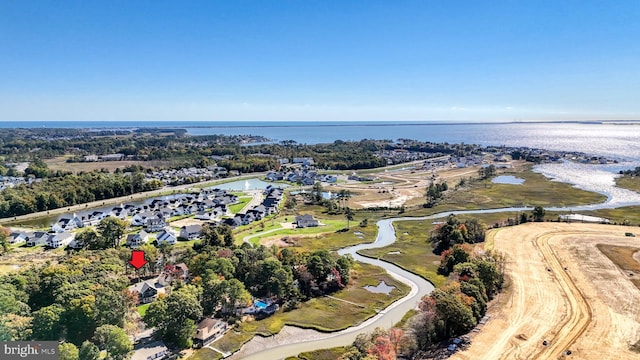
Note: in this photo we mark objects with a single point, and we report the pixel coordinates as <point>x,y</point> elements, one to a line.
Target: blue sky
<point>319,60</point>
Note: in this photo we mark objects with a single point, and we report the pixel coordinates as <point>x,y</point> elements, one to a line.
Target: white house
<point>58,240</point>
<point>135,240</point>
<point>154,224</point>
<point>167,236</point>
<point>18,238</point>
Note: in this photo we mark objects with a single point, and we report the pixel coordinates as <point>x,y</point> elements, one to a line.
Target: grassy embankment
<point>629,182</point>
<point>324,314</point>
<point>324,354</point>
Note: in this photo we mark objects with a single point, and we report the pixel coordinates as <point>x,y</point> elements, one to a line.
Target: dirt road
<point>563,290</point>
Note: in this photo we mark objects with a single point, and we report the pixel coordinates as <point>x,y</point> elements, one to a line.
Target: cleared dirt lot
<point>591,307</point>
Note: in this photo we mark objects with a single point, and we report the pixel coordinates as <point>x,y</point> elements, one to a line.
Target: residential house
<point>209,330</point>
<point>204,215</point>
<point>18,238</point>
<point>59,239</point>
<point>191,232</point>
<point>135,240</point>
<point>67,224</point>
<point>38,238</point>
<point>167,236</point>
<point>233,222</point>
<point>140,218</point>
<point>248,218</point>
<point>156,350</point>
<point>303,221</point>
<point>154,224</point>
<point>147,291</point>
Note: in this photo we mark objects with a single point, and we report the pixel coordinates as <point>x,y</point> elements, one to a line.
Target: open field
<point>324,314</point>
<point>536,190</point>
<point>60,163</point>
<point>563,290</point>
<point>629,182</point>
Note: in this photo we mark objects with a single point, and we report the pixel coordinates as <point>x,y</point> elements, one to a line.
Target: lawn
<point>330,226</point>
<point>142,309</point>
<point>415,251</point>
<point>242,202</point>
<point>325,314</point>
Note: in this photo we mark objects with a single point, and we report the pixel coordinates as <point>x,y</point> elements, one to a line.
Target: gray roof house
<point>191,232</point>
<point>135,240</point>
<point>303,221</point>
<point>38,238</point>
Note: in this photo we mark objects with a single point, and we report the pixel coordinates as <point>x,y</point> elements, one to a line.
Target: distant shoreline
<point>172,124</point>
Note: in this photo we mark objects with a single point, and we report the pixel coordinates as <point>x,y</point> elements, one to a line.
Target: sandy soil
<point>590,308</point>
<point>401,187</point>
<point>186,222</point>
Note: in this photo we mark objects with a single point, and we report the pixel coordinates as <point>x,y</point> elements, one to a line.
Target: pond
<point>382,288</point>
<point>249,184</point>
<point>507,179</point>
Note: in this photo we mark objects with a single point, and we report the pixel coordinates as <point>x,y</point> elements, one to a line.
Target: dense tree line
<point>631,172</point>
<point>453,231</point>
<point>57,192</point>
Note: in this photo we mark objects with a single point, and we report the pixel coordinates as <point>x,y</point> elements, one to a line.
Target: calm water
<point>620,141</point>
<point>507,179</point>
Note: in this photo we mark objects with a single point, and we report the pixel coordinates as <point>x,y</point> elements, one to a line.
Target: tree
<point>111,230</point>
<point>89,351</point>
<point>114,340</point>
<point>170,314</point>
<point>457,318</point>
<point>88,238</point>
<point>349,215</point>
<point>46,323</point>
<point>210,235</point>
<point>538,213</point>
<point>67,351</point>
<point>110,307</point>
<point>316,193</point>
<point>4,240</point>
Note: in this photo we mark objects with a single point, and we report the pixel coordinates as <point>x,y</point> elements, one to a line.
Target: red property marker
<point>137,259</point>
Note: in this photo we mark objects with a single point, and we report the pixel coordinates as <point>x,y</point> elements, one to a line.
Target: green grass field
<point>536,190</point>
<point>629,182</point>
<point>242,202</point>
<point>325,314</point>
